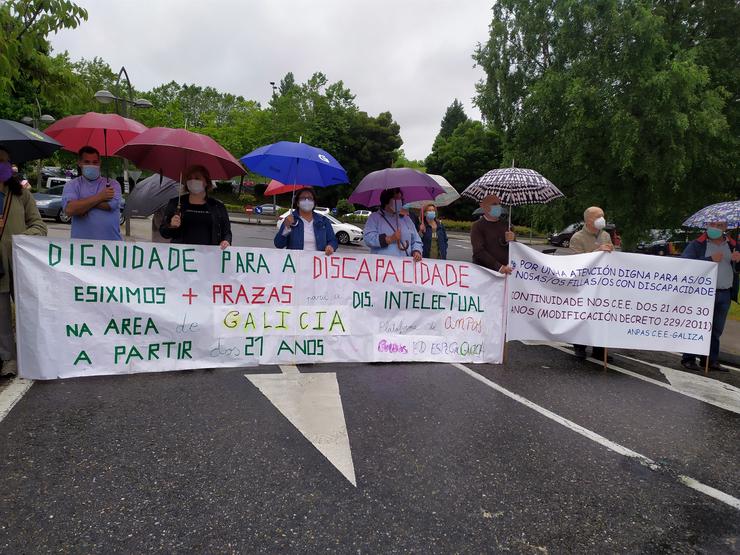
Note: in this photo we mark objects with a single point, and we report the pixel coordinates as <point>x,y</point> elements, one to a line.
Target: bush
<point>345,207</point>
<point>224,187</point>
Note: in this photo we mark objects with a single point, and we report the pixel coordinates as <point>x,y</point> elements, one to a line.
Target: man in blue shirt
<point>94,202</point>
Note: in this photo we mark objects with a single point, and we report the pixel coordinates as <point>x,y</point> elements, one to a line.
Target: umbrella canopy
<point>171,151</point>
<point>104,132</point>
<point>414,185</point>
<point>277,188</point>
<point>728,212</point>
<point>449,196</point>
<point>294,163</point>
<point>514,187</point>
<point>150,195</point>
<point>25,143</point>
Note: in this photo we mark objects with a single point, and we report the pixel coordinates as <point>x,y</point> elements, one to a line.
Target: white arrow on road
<point>313,405</point>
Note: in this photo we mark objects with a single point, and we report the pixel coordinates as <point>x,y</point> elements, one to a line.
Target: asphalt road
<point>544,454</point>
<point>262,236</point>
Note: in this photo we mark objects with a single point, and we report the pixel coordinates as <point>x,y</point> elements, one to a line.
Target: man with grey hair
<point>591,238</point>
<point>714,246</point>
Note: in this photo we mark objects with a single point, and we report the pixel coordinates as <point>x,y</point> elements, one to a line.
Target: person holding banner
<point>93,201</point>
<point>304,229</point>
<point>433,234</point>
<point>19,216</point>
<point>591,238</point>
<point>196,218</point>
<point>714,246</point>
<point>389,232</point>
<point>490,237</point>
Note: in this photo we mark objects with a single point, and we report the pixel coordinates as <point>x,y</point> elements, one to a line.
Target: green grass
<point>734,311</point>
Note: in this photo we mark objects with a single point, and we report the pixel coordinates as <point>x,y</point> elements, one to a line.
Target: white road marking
<point>12,394</point>
<point>711,391</point>
<point>717,395</point>
<point>313,404</point>
<point>601,440</point>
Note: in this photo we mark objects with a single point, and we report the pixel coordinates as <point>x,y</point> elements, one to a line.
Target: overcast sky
<point>412,57</point>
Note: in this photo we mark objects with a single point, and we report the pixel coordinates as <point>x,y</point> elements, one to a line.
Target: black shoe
<point>580,352</point>
<point>715,367</point>
<point>598,354</point>
<point>690,364</point>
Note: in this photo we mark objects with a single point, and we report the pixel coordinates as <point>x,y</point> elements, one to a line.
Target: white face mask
<point>305,204</point>
<point>397,205</point>
<point>600,223</point>
<point>196,186</point>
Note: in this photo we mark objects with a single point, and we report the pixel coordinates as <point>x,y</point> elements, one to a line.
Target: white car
<point>360,213</point>
<point>346,233</point>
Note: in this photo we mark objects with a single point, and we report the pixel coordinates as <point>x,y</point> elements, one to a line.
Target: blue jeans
<point>721,309</point>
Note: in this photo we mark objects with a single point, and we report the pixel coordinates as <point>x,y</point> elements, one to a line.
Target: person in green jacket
<point>18,215</point>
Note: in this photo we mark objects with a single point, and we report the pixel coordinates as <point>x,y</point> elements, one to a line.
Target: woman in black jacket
<point>197,219</point>
<point>433,234</point>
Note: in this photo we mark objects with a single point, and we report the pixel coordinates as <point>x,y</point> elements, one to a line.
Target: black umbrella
<point>25,143</point>
<point>150,195</point>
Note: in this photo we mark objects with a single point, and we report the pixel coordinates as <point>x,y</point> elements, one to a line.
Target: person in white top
<point>304,229</point>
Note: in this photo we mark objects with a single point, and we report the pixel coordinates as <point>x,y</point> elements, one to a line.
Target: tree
<point>471,150</point>
<point>454,116</point>
<point>25,24</point>
<point>344,207</point>
<point>403,162</point>
<point>620,104</point>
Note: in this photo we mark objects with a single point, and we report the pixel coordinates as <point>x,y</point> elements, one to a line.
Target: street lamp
<point>122,105</point>
<point>36,124</point>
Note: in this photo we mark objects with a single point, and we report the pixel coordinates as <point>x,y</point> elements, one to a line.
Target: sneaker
<point>579,351</point>
<point>690,364</point>
<point>10,369</point>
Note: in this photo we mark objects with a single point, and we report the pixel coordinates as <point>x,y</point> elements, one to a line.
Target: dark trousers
<point>721,309</point>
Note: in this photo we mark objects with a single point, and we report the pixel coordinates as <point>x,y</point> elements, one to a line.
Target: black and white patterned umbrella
<point>514,187</point>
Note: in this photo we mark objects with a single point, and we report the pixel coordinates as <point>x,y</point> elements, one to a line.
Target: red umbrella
<point>105,132</point>
<point>170,151</point>
<point>277,188</point>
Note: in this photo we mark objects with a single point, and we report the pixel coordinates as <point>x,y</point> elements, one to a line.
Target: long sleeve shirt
<point>381,224</point>
<point>490,248</point>
<point>585,241</point>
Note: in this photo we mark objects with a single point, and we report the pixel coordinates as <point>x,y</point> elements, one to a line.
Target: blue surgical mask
<point>714,232</point>
<point>495,211</point>
<point>431,215</point>
<point>91,172</point>
<point>6,172</point>
<point>397,205</point>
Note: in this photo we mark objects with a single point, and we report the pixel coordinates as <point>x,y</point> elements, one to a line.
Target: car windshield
<point>332,219</point>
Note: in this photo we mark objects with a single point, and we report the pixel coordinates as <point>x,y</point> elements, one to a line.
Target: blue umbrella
<point>728,212</point>
<point>293,163</point>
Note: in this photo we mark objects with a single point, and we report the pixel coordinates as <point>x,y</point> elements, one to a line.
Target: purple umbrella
<point>414,185</point>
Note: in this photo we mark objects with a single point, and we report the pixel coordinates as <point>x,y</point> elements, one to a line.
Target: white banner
<point>92,307</point>
<point>632,301</point>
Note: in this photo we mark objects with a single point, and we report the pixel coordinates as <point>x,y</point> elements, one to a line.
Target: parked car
<point>52,182</point>
<point>346,233</point>
<point>268,209</point>
<point>49,203</point>
<point>664,242</point>
<point>323,210</point>
<point>360,213</point>
<point>562,239</point>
